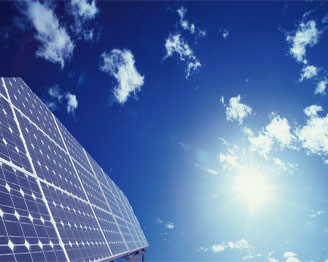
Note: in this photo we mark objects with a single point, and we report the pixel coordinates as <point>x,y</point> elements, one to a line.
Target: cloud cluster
<point>314,135</point>
<point>306,35</point>
<point>121,65</point>
<point>56,98</point>
<point>56,45</point>
<point>291,257</point>
<point>225,33</point>
<point>83,9</point>
<point>236,110</point>
<point>176,44</point>
<point>228,161</point>
<point>308,72</point>
<point>168,224</point>
<point>184,23</point>
<point>241,244</point>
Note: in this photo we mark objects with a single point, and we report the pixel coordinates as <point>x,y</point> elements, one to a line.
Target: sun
<point>253,188</point>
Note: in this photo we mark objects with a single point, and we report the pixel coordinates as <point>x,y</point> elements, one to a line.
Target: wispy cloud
<point>321,87</point>
<point>241,244</point>
<point>280,130</point>
<point>306,35</point>
<point>170,225</point>
<point>186,25</point>
<point>314,135</point>
<point>284,167</point>
<point>56,98</point>
<point>225,33</point>
<point>237,110</point>
<point>317,213</point>
<point>176,44</point>
<point>121,65</point>
<point>291,257</point>
<point>308,72</point>
<point>228,161</point>
<point>56,45</point>
<point>71,102</point>
<point>84,9</point>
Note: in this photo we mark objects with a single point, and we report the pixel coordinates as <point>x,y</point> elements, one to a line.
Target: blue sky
<point>211,117</point>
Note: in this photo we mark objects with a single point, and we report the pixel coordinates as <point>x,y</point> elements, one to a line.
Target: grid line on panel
<point>106,200</point>
<point>83,187</point>
<point>128,222</point>
<point>33,169</point>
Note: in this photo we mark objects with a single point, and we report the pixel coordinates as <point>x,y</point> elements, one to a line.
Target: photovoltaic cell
<point>31,106</point>
<point>56,202</point>
<point>26,232</point>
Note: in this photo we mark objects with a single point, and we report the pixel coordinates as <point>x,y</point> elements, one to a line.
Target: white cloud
<point>306,35</point>
<point>279,129</point>
<point>204,249</point>
<point>159,221</point>
<point>236,110</point>
<point>84,9</point>
<point>262,143</point>
<point>321,87</point>
<point>170,225</point>
<point>184,23</point>
<point>71,102</point>
<point>308,72</point>
<point>317,213</point>
<point>312,111</point>
<point>314,135</point>
<point>291,257</point>
<point>56,95</point>
<point>228,161</point>
<point>241,244</point>
<point>225,33</point>
<point>56,44</point>
<point>284,167</point>
<point>176,44</point>
<point>55,92</point>
<point>121,65</point>
<point>218,248</point>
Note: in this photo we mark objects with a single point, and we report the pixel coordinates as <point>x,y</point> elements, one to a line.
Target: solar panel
<point>56,202</point>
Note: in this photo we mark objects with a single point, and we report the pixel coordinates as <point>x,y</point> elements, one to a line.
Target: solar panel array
<point>56,202</point>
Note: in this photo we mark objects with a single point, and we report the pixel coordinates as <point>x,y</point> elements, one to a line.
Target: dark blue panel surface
<point>91,187</point>
<point>77,226</point>
<point>51,163</point>
<point>2,89</point>
<point>73,147</point>
<point>26,231</point>
<point>11,145</point>
<point>31,106</point>
<point>111,231</point>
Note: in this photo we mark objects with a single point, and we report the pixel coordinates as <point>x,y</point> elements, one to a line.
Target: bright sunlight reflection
<point>253,187</point>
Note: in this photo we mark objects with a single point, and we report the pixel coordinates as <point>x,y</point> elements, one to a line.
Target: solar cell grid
<point>50,162</point>
<point>73,147</point>
<point>91,187</point>
<point>11,144</point>
<point>3,90</point>
<point>56,202</point>
<point>31,106</point>
<point>77,226</point>
<point>26,232</point>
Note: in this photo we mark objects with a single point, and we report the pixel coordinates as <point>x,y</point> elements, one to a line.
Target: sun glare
<point>253,188</point>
